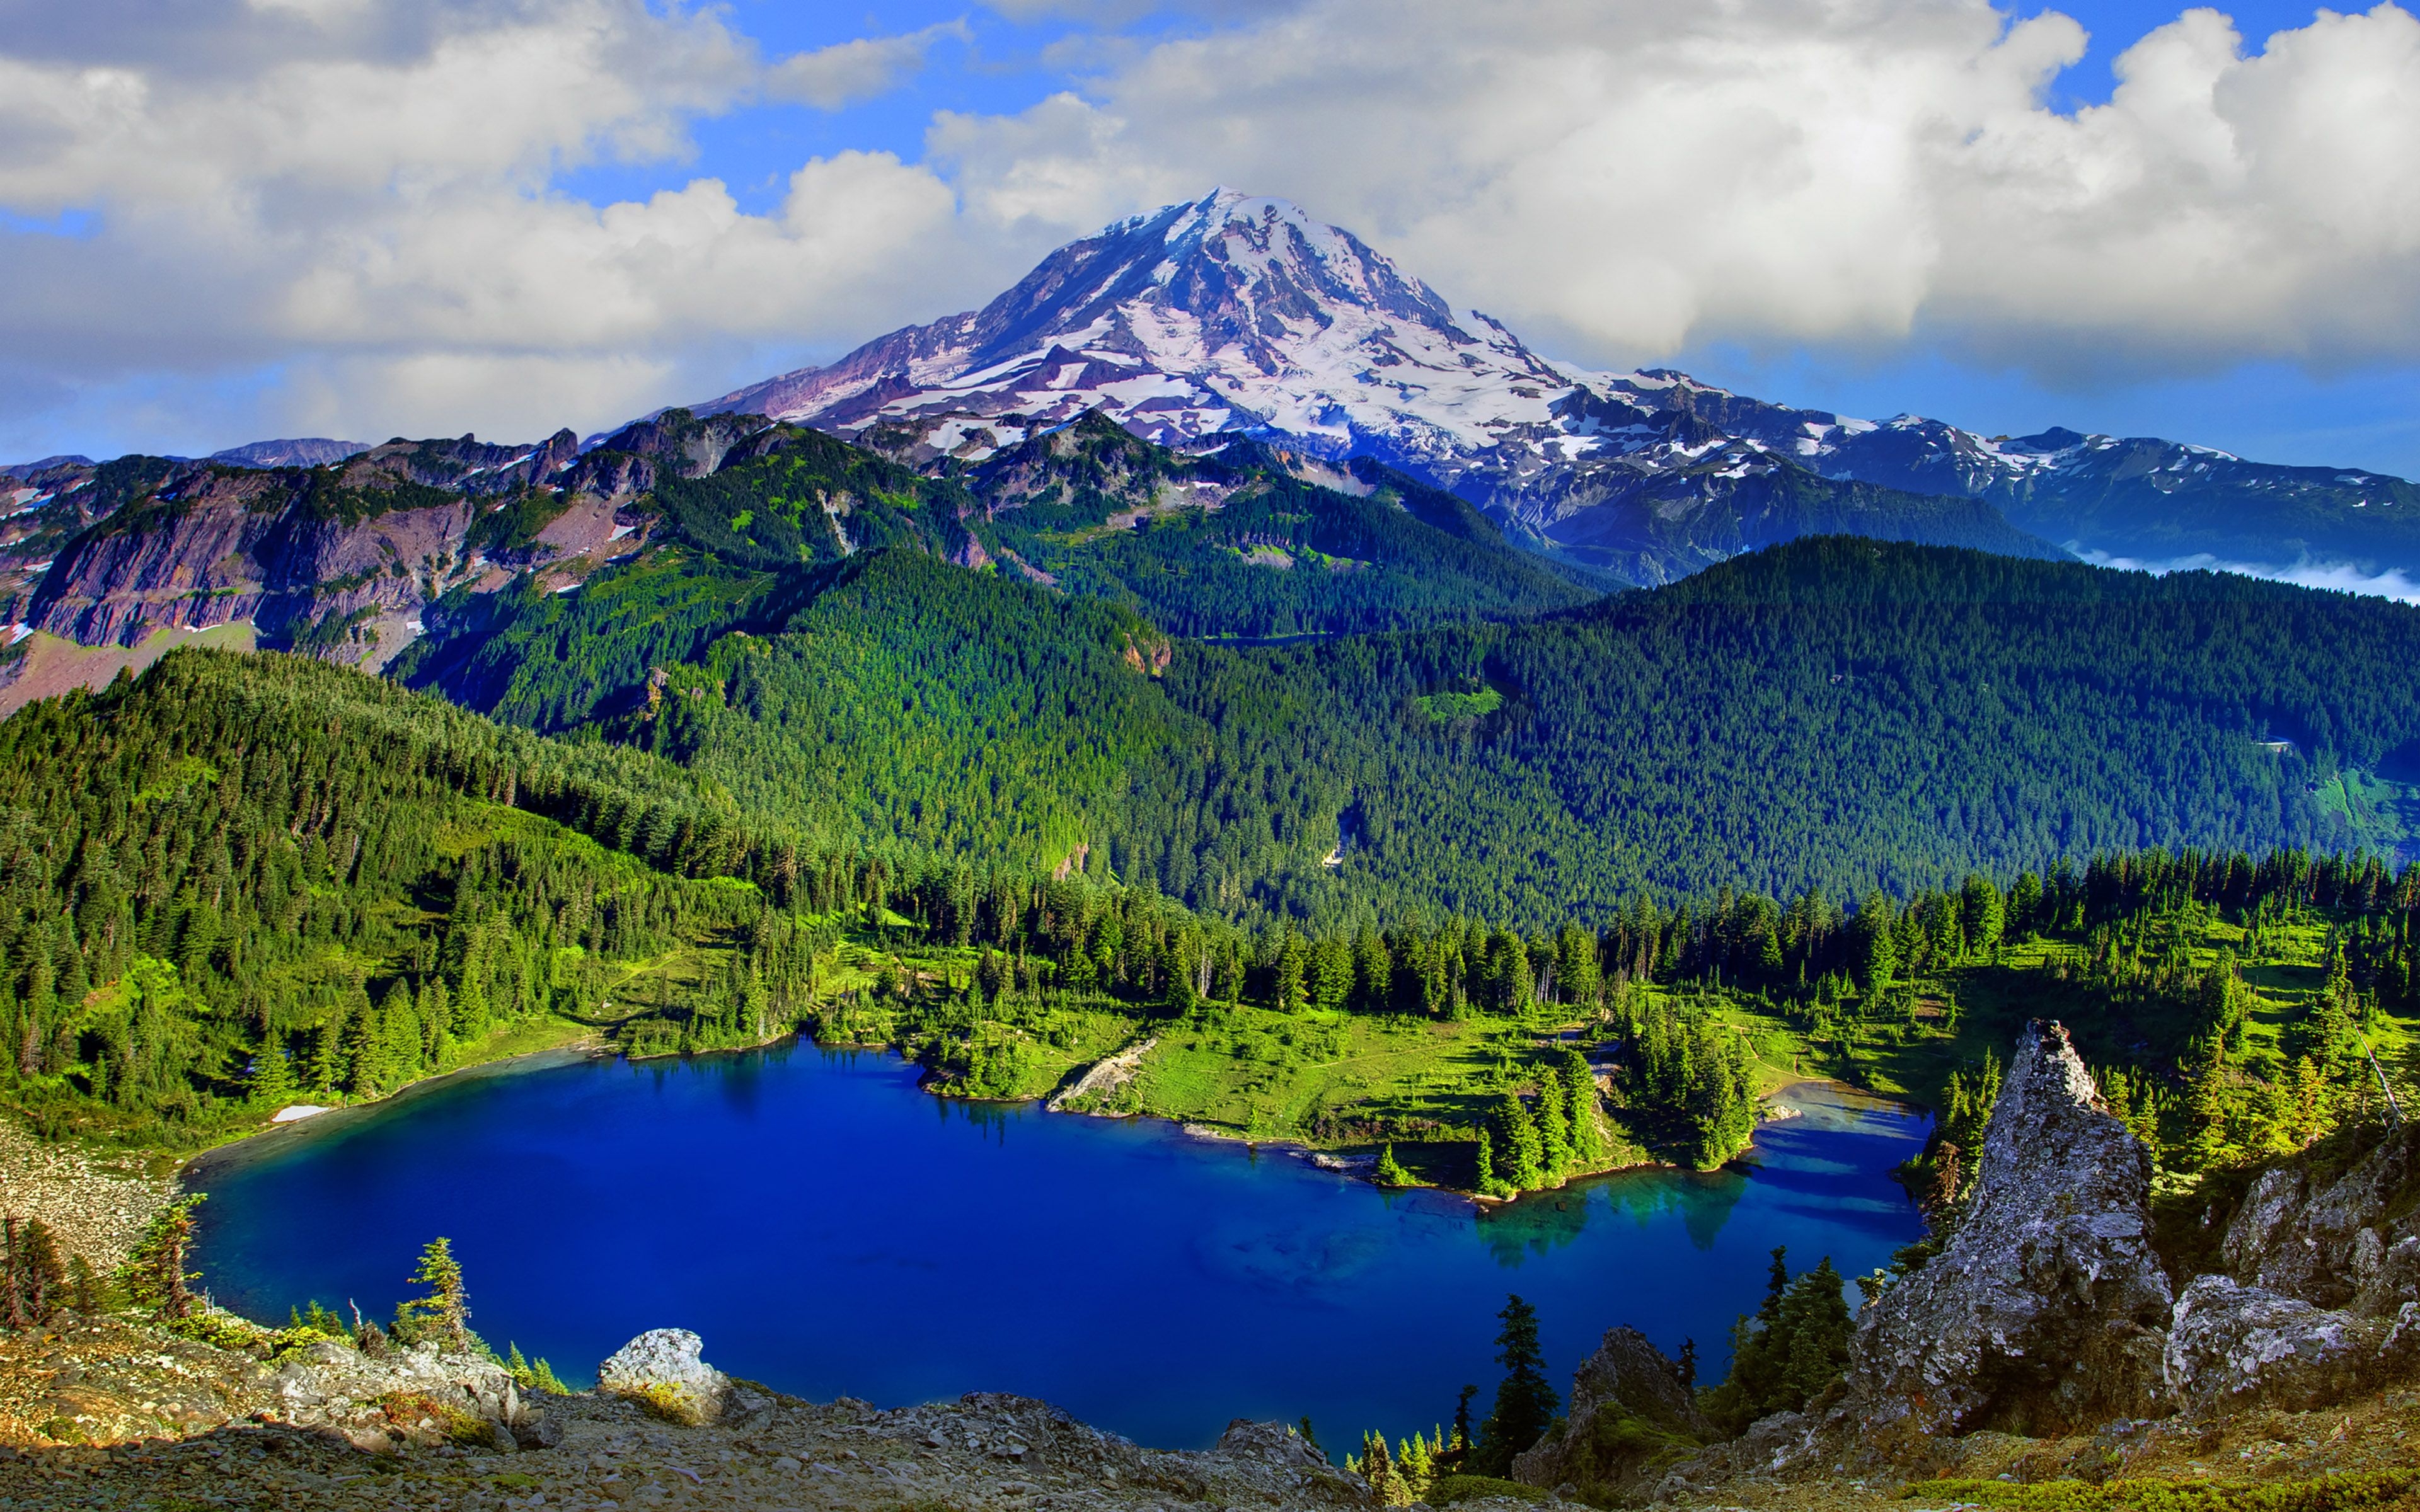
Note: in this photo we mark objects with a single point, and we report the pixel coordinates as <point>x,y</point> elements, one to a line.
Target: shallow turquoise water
<point>831,1229</point>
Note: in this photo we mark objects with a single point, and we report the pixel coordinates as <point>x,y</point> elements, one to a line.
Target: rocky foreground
<point>2044,1343</point>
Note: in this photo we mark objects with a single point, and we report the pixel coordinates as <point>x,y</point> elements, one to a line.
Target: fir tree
<point>1579,1093</point>
<point>1485,1182</point>
<point>155,1274</point>
<point>1525,1403</point>
<point>444,1313</point>
<point>1389,1173</point>
<point>272,1081</point>
<point>1458,1451</point>
<point>35,1270</point>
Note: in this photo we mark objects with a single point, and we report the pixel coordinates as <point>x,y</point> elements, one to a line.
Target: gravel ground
<point>98,1207</point>
<point>177,1424</point>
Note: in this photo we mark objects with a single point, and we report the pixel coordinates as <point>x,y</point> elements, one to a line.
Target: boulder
<point>2325,1240</point>
<point>1272,1444</point>
<point>2047,1309</point>
<point>664,1369</point>
<point>2233,1347</point>
<point>1631,1420</point>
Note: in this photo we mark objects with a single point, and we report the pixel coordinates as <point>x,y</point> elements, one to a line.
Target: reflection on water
<point>829,1229</point>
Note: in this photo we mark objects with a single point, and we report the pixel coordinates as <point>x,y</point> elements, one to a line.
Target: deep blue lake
<point>830,1229</point>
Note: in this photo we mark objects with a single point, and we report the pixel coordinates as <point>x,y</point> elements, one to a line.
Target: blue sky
<point>626,223</point>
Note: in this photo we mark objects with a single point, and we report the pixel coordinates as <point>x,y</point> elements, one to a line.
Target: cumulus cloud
<point>365,203</point>
<point>1630,176</point>
<point>359,203</point>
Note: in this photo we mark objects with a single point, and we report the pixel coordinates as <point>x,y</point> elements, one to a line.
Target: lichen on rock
<point>1631,1419</point>
<point>2048,1307</point>
<point>663,1368</point>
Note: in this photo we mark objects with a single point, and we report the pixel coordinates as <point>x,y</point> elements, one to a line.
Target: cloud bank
<point>358,205</point>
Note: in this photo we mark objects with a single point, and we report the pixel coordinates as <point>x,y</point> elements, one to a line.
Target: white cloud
<point>832,77</point>
<point>1630,177</point>
<point>374,222</point>
<point>356,205</point>
<point>2342,576</point>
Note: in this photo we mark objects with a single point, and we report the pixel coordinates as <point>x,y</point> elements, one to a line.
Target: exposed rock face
<point>1631,1419</point>
<point>663,1366</point>
<point>243,546</point>
<point>2234,1346</point>
<point>2325,1245</point>
<point>1273,1443</point>
<point>418,1394</point>
<point>2324,1300</point>
<point>2048,1307</point>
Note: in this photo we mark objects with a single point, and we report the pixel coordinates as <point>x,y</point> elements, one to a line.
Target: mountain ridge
<point>1241,315</point>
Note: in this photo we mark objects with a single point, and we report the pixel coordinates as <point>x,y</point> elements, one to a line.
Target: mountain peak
<point>1239,315</point>
<point>1236,313</point>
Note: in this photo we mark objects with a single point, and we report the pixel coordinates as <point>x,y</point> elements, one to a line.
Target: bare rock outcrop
<point>2048,1308</point>
<point>1631,1420</point>
<point>665,1367</point>
<point>2324,1241</point>
<point>2235,1347</point>
<point>404,1395</point>
<point>2322,1301</point>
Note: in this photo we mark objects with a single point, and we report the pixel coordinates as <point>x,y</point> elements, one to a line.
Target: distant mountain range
<point>1239,313</point>
<point>1233,337</point>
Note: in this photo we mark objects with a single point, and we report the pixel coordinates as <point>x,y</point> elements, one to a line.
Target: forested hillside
<point>1833,712</point>
<point>244,881</point>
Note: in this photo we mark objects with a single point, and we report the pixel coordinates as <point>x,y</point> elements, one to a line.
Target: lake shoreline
<point>227,1153</point>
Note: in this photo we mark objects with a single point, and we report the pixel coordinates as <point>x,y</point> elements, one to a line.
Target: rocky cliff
<point>2048,1315</point>
<point>2048,1307</point>
<point>2321,1296</point>
<point>1632,1418</point>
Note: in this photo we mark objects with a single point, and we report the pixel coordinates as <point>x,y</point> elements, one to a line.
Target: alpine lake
<point>830,1229</point>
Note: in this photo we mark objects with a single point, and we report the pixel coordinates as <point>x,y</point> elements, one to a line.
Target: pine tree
<point>1525,1403</point>
<point>1389,1173</point>
<point>1288,988</point>
<point>272,1081</point>
<point>1554,1132</point>
<point>34,1267</point>
<point>1459,1450</point>
<point>1378,1468</point>
<point>444,1314</point>
<point>1486,1183</point>
<point>1522,1166</point>
<point>1579,1093</point>
<point>1416,1467</point>
<point>155,1274</point>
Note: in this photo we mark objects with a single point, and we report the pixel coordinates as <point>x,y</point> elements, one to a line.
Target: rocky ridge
<point>107,1414</point>
<point>2047,1316</point>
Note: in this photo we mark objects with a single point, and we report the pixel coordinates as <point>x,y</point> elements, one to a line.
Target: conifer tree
<point>1579,1091</point>
<point>272,1081</point>
<point>1389,1172</point>
<point>1288,987</point>
<point>444,1313</point>
<point>35,1270</point>
<point>1554,1132</point>
<point>1487,1182</point>
<point>1525,1403</point>
<point>155,1274</point>
<point>1520,1165</point>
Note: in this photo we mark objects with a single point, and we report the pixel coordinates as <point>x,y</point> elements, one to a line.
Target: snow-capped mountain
<point>1242,315</point>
